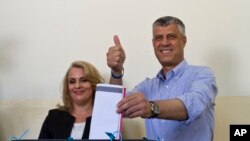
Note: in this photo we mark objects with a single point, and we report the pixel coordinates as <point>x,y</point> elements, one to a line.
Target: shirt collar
<point>176,72</point>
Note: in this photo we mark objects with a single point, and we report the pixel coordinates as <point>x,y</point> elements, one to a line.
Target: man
<point>177,104</point>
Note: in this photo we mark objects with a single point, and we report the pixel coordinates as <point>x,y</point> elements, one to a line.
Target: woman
<point>72,119</point>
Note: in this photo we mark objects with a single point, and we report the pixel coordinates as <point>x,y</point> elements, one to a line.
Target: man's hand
<point>116,56</point>
<point>134,105</point>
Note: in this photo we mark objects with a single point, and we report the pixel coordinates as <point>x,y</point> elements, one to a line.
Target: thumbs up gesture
<point>116,56</point>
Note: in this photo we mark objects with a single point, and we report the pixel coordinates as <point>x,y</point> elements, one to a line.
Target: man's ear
<point>184,40</point>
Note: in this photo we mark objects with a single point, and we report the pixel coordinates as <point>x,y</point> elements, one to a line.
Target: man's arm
<point>136,105</point>
<point>172,109</point>
<point>116,77</point>
<point>189,105</point>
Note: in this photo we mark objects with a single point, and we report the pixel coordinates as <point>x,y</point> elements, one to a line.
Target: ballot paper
<point>104,116</point>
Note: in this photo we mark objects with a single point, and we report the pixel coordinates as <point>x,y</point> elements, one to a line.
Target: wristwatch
<point>155,109</point>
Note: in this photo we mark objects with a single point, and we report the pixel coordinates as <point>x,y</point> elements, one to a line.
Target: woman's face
<point>80,89</point>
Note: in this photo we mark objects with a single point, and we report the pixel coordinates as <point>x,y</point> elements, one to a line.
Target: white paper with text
<point>104,116</point>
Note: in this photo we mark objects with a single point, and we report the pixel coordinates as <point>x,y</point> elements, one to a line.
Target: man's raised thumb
<point>117,40</point>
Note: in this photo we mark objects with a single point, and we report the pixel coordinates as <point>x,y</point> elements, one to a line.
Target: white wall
<point>40,38</point>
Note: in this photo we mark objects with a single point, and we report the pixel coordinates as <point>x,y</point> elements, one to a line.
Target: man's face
<point>168,45</point>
